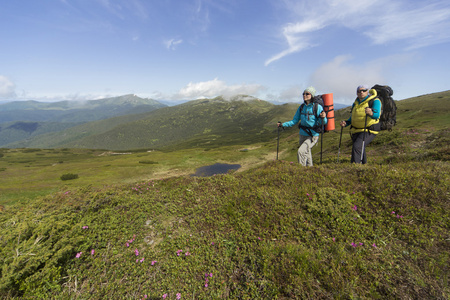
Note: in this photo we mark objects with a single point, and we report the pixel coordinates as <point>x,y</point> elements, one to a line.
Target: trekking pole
<point>321,142</point>
<point>364,139</point>
<point>278,139</point>
<point>340,139</point>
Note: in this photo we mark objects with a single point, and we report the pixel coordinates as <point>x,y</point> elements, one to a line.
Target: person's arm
<point>322,115</point>
<point>294,121</point>
<point>376,109</point>
<point>349,120</point>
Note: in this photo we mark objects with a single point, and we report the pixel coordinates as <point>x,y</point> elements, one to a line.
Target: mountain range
<point>23,120</point>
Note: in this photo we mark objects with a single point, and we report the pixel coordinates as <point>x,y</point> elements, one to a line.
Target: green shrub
<point>148,162</point>
<point>69,176</point>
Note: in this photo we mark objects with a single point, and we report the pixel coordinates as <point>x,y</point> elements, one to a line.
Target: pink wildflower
<point>164,296</point>
<point>92,252</point>
<point>136,251</point>
<point>334,239</point>
<point>154,262</point>
<point>78,254</point>
<point>85,227</point>
<point>374,245</point>
<point>178,296</point>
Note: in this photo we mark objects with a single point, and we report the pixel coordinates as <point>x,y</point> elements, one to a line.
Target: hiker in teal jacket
<point>308,122</point>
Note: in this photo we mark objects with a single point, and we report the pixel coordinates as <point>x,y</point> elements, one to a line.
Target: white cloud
<point>172,43</point>
<point>296,42</point>
<point>419,27</point>
<point>341,76</point>
<point>417,24</point>
<point>7,87</point>
<point>291,94</point>
<point>215,87</point>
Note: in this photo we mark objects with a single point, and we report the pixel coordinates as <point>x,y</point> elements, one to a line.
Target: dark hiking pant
<point>358,144</point>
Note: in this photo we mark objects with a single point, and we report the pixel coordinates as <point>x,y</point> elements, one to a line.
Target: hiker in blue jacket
<point>309,124</point>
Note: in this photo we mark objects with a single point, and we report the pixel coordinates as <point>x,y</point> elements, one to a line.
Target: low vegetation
<point>279,231</point>
<point>273,230</point>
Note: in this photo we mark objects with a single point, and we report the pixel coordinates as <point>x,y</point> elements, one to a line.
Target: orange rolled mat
<point>329,110</point>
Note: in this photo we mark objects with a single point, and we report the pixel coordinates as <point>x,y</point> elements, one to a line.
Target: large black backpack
<point>388,117</point>
<point>317,100</point>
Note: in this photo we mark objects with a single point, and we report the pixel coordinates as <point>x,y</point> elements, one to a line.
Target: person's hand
<point>279,124</point>
<point>369,111</point>
<point>323,115</point>
<point>343,123</point>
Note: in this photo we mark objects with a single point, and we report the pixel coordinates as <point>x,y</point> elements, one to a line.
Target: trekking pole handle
<point>369,111</point>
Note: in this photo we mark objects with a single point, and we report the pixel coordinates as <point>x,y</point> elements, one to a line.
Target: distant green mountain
<point>75,111</point>
<point>22,131</point>
<point>24,120</point>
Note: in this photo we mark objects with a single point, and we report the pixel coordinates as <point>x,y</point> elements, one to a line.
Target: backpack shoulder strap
<point>315,109</point>
<point>301,107</point>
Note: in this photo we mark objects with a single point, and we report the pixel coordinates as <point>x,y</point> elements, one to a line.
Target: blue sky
<point>188,49</point>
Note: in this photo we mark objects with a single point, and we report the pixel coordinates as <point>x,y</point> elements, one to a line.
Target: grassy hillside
<point>279,231</point>
<point>136,225</point>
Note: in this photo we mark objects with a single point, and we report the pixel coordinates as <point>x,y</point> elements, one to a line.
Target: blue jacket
<point>307,118</point>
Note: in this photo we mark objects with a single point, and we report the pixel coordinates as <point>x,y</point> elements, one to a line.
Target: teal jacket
<point>307,118</point>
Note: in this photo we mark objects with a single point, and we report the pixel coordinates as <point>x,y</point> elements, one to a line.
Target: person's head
<point>308,94</point>
<point>362,91</point>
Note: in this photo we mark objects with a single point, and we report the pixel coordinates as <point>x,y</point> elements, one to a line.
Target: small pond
<point>215,169</point>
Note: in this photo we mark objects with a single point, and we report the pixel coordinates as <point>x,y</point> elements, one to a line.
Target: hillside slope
<point>277,232</point>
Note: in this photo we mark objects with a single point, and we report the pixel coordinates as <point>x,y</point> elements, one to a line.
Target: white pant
<point>304,151</point>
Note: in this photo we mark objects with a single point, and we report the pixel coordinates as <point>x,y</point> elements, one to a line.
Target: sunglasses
<point>365,90</point>
<point>306,94</point>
